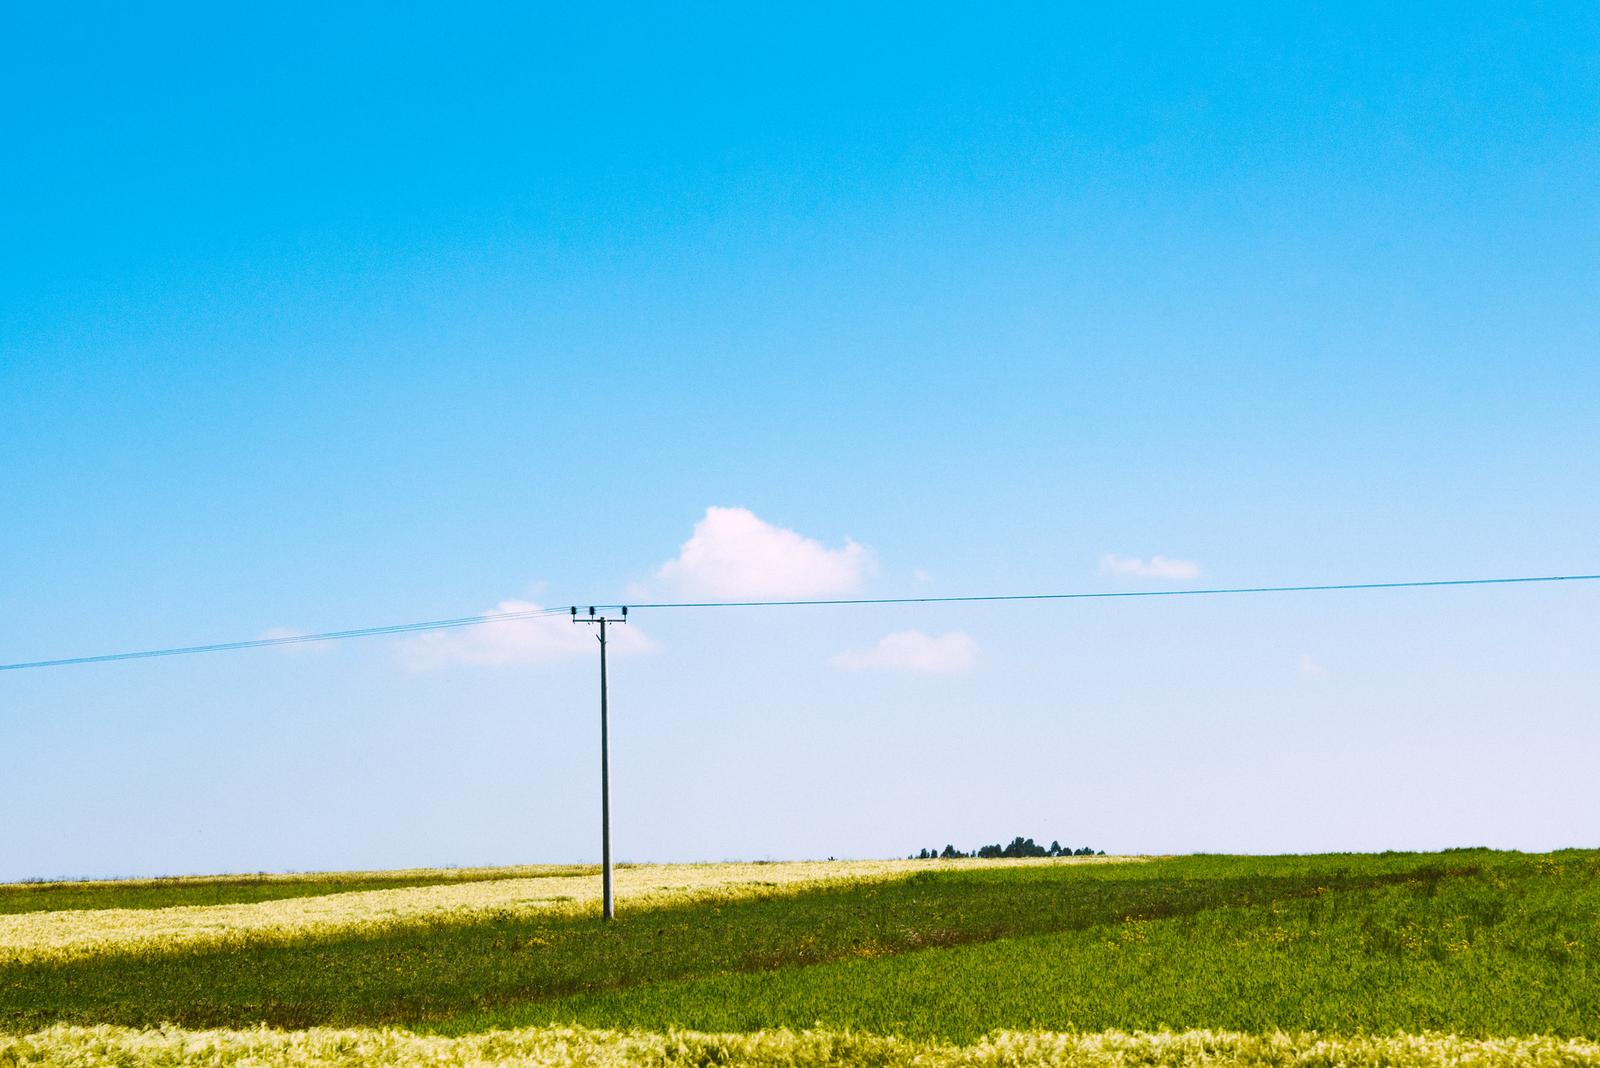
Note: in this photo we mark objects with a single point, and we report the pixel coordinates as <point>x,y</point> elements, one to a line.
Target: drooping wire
<point>503,617</point>
<point>1114,593</point>
<point>293,639</point>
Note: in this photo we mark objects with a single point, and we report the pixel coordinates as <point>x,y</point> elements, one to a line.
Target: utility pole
<point>607,906</point>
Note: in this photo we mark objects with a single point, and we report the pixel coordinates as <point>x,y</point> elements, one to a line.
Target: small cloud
<point>921,576</point>
<point>1157,567</point>
<point>1311,667</point>
<point>912,650</point>
<point>503,643</point>
<point>733,553</point>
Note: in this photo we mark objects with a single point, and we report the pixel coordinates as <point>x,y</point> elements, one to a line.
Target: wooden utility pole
<point>607,905</point>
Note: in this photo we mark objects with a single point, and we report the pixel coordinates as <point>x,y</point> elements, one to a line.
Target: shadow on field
<point>423,973</point>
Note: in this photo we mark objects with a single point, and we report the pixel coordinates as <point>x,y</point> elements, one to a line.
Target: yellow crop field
<point>62,935</point>
<point>63,1046</point>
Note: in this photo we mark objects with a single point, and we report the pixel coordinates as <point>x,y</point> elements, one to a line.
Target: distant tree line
<point>1019,847</point>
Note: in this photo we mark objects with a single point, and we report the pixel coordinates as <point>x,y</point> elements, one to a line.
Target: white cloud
<point>517,641</point>
<point>1157,567</point>
<point>1311,666</point>
<point>733,553</point>
<point>912,650</point>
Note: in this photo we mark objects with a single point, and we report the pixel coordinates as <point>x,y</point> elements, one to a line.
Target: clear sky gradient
<point>313,319</point>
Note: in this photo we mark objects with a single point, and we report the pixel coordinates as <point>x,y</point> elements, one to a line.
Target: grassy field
<point>351,909</point>
<point>936,957</point>
<point>93,894</point>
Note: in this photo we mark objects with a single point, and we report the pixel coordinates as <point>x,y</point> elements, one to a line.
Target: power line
<point>292,639</point>
<point>1115,594</point>
<point>503,617</point>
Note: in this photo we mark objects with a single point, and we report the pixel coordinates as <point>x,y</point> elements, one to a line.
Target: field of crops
<point>1465,957</point>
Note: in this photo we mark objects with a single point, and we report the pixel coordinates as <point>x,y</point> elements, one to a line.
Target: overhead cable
<point>292,639</point>
<point>504,617</point>
<point>1111,594</point>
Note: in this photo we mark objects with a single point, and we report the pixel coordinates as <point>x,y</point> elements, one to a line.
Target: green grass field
<point>85,895</point>
<point>1479,945</point>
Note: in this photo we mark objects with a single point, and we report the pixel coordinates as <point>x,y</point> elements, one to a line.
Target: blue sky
<point>313,319</point>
